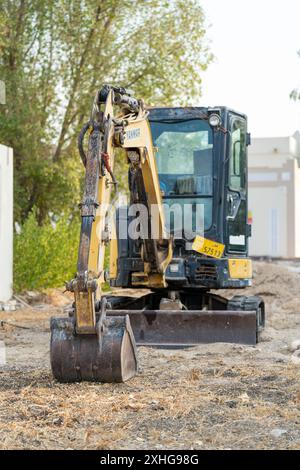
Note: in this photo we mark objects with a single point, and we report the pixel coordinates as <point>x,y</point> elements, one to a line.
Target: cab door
<point>236,213</point>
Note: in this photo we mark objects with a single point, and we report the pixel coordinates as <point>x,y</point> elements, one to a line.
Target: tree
<point>54,56</point>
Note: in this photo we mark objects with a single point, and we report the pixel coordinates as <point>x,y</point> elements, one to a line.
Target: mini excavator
<point>182,236</point>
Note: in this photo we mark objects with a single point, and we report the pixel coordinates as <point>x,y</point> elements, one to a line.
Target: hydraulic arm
<point>128,130</point>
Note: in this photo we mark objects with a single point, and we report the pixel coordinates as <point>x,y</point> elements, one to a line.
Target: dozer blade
<point>108,356</point>
<point>179,328</point>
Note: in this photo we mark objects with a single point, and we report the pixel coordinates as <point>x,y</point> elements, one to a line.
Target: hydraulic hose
<point>80,142</point>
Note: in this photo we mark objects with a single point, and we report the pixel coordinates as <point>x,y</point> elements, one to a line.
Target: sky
<point>256,66</point>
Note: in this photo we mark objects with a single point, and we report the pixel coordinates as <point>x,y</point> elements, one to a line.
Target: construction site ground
<point>217,396</point>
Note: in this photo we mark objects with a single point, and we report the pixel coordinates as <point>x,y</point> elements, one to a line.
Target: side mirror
<point>248,139</point>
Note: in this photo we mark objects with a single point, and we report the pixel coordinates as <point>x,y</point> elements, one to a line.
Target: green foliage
<point>45,255</point>
<point>54,54</point>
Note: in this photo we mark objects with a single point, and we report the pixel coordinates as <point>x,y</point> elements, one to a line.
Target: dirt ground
<point>218,396</point>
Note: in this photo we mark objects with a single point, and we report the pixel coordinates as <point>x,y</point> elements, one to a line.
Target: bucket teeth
<point>108,356</point>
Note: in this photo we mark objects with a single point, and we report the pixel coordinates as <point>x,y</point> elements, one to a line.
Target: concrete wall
<point>274,196</point>
<point>6,223</point>
<point>269,228</point>
<point>297,212</point>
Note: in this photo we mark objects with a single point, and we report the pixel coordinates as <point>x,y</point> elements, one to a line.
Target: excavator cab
<point>201,156</point>
<point>187,179</point>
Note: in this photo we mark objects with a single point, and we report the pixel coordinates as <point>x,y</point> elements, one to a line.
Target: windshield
<point>185,162</point>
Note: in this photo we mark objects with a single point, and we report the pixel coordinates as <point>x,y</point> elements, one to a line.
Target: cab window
<point>237,168</point>
<point>184,159</point>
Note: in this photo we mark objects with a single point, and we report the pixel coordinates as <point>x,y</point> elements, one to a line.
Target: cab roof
<point>189,112</point>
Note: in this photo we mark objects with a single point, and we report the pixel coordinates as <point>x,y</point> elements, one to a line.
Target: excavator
<point>181,237</point>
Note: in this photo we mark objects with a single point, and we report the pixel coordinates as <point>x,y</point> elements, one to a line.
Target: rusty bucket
<point>108,356</point>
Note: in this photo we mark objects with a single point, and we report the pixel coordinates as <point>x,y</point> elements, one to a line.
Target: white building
<point>6,223</point>
<point>274,196</point>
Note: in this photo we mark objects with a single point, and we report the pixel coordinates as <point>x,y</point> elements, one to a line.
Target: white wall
<point>269,227</point>
<point>274,196</point>
<point>297,212</point>
<point>6,223</point>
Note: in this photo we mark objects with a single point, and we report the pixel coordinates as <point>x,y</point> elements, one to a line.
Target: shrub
<point>45,255</point>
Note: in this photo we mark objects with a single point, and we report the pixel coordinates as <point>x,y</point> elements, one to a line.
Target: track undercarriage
<point>149,320</point>
<point>203,318</point>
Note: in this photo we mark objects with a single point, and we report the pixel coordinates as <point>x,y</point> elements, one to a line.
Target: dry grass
<point>212,396</point>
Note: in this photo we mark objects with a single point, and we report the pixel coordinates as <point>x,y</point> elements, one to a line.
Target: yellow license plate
<point>208,247</point>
